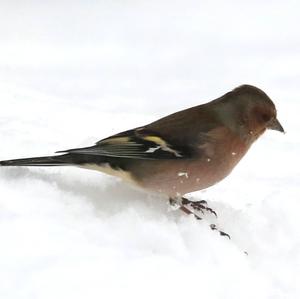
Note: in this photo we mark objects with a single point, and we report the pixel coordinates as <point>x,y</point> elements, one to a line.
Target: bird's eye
<point>266,117</point>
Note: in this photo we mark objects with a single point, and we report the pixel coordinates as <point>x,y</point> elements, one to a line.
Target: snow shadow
<point>106,194</point>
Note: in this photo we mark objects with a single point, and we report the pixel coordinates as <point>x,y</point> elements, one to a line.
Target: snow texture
<point>73,72</point>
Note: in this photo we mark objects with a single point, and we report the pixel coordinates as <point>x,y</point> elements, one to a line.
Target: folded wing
<point>135,144</point>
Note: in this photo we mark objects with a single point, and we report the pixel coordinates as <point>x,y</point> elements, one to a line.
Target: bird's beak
<point>274,124</point>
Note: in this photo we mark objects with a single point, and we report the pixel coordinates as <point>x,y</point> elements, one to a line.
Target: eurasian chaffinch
<point>183,152</point>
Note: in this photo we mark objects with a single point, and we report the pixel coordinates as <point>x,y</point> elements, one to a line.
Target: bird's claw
<point>214,227</point>
<point>200,205</point>
<point>192,207</point>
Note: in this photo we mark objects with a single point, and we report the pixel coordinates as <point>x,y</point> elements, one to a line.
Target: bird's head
<point>256,111</point>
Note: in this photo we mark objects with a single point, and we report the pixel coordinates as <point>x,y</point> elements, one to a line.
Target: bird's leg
<point>187,211</point>
<point>200,205</point>
<point>179,203</point>
<point>175,203</point>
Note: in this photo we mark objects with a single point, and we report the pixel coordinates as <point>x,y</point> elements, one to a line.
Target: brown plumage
<point>218,134</point>
<point>186,151</point>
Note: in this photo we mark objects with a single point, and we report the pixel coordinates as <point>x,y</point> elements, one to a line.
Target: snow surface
<point>73,72</point>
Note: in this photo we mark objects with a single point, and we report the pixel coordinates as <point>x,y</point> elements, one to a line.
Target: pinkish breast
<point>178,177</point>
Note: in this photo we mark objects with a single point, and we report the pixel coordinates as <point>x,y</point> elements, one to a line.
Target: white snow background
<point>74,72</point>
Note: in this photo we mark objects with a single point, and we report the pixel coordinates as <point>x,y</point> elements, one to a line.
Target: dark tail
<point>62,160</point>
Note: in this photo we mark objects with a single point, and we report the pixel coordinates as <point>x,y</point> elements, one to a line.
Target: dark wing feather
<point>135,144</point>
<point>177,136</point>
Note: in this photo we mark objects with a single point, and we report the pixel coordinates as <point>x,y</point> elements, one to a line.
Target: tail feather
<point>62,160</point>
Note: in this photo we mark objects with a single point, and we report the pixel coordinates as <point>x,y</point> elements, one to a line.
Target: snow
<point>183,174</point>
<point>72,73</point>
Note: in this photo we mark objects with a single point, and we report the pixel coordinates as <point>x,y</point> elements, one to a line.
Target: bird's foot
<point>193,207</point>
<point>200,205</point>
<point>176,203</point>
<point>214,227</point>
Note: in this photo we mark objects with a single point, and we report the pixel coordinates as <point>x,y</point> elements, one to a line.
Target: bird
<point>186,151</point>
